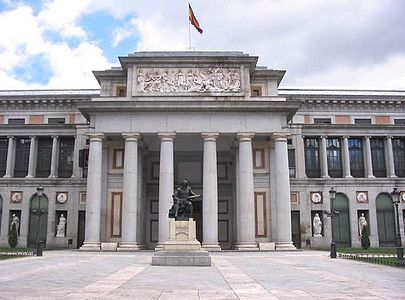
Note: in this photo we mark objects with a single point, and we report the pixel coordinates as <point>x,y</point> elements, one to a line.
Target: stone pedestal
<point>182,247</point>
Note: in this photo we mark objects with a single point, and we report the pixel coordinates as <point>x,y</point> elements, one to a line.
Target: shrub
<point>13,237</point>
<point>365,237</point>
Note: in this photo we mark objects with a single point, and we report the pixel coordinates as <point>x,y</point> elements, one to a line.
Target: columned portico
<point>245,199</point>
<point>166,181</point>
<point>94,188</point>
<point>210,190</point>
<point>130,194</point>
<point>282,186</point>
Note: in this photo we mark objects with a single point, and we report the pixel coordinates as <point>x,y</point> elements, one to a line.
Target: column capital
<point>95,137</point>
<point>245,136</point>
<point>367,137</point>
<point>323,136</point>
<point>55,136</point>
<point>388,137</point>
<point>131,136</point>
<point>209,136</point>
<point>11,137</point>
<point>280,136</point>
<point>345,137</point>
<point>166,136</point>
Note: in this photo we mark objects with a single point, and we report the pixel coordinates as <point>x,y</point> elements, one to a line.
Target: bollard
<point>333,250</point>
<point>39,248</point>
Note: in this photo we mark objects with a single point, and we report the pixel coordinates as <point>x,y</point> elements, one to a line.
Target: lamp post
<point>400,250</point>
<point>332,214</point>
<point>39,212</point>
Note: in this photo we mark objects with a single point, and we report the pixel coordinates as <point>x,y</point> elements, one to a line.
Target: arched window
<point>385,220</point>
<point>341,223</point>
<point>38,219</point>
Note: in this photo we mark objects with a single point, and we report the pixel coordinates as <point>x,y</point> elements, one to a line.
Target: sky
<point>56,44</point>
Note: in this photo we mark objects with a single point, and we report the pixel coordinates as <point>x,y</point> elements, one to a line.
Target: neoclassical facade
<point>262,158</point>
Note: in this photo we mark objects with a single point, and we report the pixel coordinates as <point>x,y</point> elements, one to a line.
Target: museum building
<point>262,158</point>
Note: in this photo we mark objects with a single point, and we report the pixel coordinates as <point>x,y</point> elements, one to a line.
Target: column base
<point>51,176</point>
<point>91,246</point>
<point>29,177</point>
<point>285,246</point>
<point>348,176</point>
<point>130,246</point>
<point>7,176</point>
<point>211,247</point>
<point>159,246</point>
<point>370,176</point>
<point>246,246</point>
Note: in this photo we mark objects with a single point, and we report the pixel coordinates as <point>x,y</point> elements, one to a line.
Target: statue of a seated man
<point>182,208</point>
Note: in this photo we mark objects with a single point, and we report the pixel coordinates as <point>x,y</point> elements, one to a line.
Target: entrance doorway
<point>38,220</point>
<point>81,228</point>
<point>197,216</point>
<point>296,230</point>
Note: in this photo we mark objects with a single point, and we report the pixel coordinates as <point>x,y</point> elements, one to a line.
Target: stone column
<point>32,158</point>
<point>390,157</point>
<point>94,190</point>
<point>10,157</point>
<point>245,205</point>
<point>368,159</point>
<point>130,193</point>
<point>166,181</point>
<point>76,169</point>
<point>324,158</point>
<point>284,236</point>
<point>210,193</point>
<point>346,158</point>
<point>54,159</point>
<point>300,162</point>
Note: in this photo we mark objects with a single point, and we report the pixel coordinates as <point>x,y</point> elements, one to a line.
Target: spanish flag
<point>193,19</point>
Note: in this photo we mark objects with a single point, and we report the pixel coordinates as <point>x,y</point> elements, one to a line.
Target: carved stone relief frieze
<point>188,80</point>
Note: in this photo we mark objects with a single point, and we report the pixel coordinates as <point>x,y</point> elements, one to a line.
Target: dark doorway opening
<point>296,229</point>
<point>81,228</point>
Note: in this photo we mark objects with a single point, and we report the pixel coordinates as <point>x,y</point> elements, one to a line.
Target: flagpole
<point>189,30</point>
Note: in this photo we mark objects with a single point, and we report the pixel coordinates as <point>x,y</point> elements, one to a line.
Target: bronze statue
<point>182,208</point>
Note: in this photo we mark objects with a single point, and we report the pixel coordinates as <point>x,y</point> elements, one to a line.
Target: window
<point>256,91</point>
<point>258,159</point>
<point>16,121</point>
<point>378,157</point>
<point>121,91</point>
<point>66,147</point>
<point>399,121</point>
<point>356,157</point>
<point>44,157</point>
<point>398,147</point>
<point>3,156</point>
<point>118,158</point>
<point>334,155</point>
<point>22,156</point>
<point>322,121</point>
<point>56,121</point>
<point>291,162</point>
<point>362,121</point>
<point>312,166</point>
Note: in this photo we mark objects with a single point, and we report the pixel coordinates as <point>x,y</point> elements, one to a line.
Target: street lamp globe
<point>332,193</point>
<point>395,196</point>
<point>40,191</point>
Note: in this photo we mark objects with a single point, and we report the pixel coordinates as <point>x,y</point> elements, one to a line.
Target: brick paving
<point>233,275</point>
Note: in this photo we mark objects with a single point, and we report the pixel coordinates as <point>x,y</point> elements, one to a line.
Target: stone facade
<point>217,120</point>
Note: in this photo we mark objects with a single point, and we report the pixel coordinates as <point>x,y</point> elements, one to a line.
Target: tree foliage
<point>13,237</point>
<point>365,237</point>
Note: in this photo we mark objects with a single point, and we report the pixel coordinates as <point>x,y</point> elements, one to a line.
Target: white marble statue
<point>317,224</point>
<point>362,223</point>
<point>15,221</point>
<point>60,229</point>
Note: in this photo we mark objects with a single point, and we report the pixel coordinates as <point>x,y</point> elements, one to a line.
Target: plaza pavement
<point>256,275</point>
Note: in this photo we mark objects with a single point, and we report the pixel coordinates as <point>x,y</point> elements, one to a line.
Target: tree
<point>13,237</point>
<point>365,237</point>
